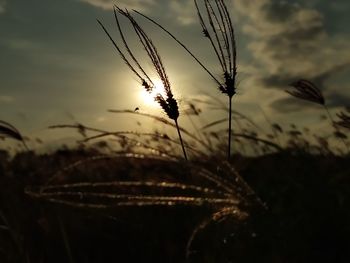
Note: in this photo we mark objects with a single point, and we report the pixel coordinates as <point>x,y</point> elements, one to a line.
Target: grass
<point>112,207</point>
<point>220,34</point>
<point>167,101</point>
<point>306,90</point>
<point>235,196</point>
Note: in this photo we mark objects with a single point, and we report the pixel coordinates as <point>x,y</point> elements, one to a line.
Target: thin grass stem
<point>229,128</point>
<point>181,141</point>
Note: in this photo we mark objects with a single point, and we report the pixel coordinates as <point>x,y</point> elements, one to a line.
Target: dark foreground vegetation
<point>306,218</point>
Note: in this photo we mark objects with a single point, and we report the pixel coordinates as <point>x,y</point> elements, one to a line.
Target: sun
<point>148,98</point>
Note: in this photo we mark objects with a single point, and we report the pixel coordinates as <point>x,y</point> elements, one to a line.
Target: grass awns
<point>167,101</point>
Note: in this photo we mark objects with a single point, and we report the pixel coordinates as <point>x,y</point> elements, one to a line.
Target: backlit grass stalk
<point>222,39</point>
<point>166,101</point>
<point>221,35</point>
<point>306,90</point>
<point>9,131</point>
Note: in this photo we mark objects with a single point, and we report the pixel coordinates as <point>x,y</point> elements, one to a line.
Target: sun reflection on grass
<point>148,98</point>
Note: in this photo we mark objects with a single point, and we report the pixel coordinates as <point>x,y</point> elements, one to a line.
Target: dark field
<point>306,218</point>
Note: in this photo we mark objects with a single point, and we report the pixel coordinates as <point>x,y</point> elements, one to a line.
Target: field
<point>305,219</point>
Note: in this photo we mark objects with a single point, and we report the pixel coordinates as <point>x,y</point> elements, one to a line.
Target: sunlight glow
<point>148,98</point>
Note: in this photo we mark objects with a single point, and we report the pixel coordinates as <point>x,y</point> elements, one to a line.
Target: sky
<point>58,67</point>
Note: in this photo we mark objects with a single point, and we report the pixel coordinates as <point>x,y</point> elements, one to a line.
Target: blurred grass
<point>306,221</point>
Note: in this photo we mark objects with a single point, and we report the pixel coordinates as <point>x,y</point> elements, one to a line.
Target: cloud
<point>141,5</point>
<point>288,42</point>
<point>319,79</point>
<point>2,6</point>
<point>184,11</point>
<point>6,99</point>
<point>291,104</point>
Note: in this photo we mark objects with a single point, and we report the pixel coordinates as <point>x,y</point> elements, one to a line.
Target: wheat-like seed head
<point>220,33</point>
<point>306,90</point>
<point>168,103</point>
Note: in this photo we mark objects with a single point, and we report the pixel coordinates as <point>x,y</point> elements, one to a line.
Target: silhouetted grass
<point>167,102</point>
<point>221,36</point>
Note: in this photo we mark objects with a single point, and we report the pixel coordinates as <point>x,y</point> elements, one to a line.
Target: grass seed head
<point>344,120</point>
<point>147,86</point>
<point>217,26</point>
<point>306,90</point>
<point>9,131</point>
<point>169,105</point>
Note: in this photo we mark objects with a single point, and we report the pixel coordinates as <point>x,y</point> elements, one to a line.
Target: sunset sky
<point>58,67</point>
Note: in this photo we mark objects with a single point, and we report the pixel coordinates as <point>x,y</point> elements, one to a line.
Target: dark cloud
<point>291,104</point>
<point>336,99</point>
<point>289,42</point>
<point>278,11</point>
<point>319,79</point>
<point>327,74</point>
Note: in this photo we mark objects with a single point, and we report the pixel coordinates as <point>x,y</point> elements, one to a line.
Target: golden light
<point>148,98</point>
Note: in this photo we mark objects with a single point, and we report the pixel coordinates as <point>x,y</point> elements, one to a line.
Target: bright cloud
<point>142,5</point>
<point>184,11</point>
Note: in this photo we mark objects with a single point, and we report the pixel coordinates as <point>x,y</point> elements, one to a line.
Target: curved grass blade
<point>84,186</point>
<point>9,131</point>
<point>114,200</point>
<point>214,218</point>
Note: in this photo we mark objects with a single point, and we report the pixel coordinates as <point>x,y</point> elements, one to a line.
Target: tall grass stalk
<point>229,129</point>
<point>167,101</point>
<point>306,90</point>
<point>221,36</point>
<point>181,141</point>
